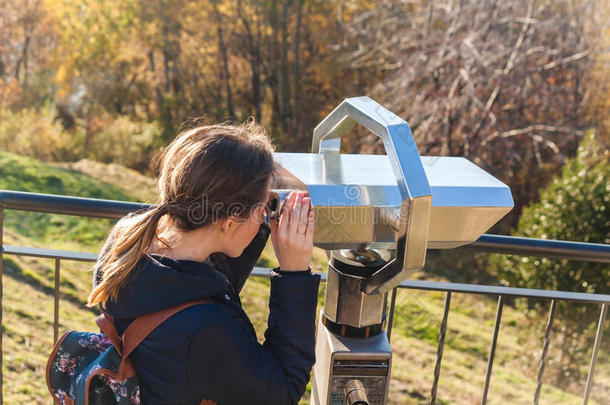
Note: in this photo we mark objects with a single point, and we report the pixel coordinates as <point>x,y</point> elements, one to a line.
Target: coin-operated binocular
<point>376,215</point>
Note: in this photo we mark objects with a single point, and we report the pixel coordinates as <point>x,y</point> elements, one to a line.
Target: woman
<point>200,242</point>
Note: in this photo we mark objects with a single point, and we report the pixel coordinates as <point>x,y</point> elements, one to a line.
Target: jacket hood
<point>158,282</point>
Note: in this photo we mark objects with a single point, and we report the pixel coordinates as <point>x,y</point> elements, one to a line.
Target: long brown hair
<point>206,173</point>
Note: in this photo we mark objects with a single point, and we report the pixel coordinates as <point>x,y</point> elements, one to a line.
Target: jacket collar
<point>158,282</point>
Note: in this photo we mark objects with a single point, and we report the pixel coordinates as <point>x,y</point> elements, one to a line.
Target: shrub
<point>36,133</point>
<point>126,142</point>
<point>39,133</point>
<point>574,206</point>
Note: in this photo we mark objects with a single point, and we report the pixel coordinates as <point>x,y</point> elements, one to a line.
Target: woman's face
<point>246,229</point>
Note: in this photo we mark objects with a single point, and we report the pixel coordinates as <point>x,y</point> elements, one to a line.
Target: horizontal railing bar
<point>508,291</point>
<point>49,253</point>
<point>409,284</point>
<point>93,207</point>
<point>59,204</point>
<point>559,249</point>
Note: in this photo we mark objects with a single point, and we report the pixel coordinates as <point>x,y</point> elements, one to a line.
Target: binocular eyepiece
<point>276,201</point>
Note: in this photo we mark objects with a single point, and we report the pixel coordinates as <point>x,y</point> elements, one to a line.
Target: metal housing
<point>400,201</point>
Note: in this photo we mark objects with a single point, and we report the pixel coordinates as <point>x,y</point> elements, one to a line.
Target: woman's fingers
<point>295,214</point>
<point>310,226</point>
<point>302,224</point>
<point>273,224</point>
<point>293,233</point>
<point>286,211</point>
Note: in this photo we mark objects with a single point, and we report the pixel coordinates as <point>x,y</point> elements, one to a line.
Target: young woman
<point>200,242</point>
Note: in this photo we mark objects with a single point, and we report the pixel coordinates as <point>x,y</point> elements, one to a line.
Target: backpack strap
<point>135,333</point>
<point>106,324</point>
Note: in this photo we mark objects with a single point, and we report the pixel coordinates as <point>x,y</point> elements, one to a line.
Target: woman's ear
<point>229,225</point>
<point>226,226</point>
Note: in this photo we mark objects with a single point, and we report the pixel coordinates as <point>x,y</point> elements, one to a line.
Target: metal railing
<point>89,207</point>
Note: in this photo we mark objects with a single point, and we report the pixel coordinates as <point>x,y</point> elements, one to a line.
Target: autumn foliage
<point>512,85</point>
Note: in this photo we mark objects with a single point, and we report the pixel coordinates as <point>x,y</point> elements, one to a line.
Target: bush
<point>39,133</point>
<point>126,142</point>
<point>575,207</point>
<point>36,133</point>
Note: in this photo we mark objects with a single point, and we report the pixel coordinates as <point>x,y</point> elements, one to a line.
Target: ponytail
<point>129,241</point>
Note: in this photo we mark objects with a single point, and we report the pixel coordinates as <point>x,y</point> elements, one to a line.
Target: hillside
<point>28,306</point>
<point>128,180</point>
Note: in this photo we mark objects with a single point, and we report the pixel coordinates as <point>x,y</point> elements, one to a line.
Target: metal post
<point>598,340</point>
<point>492,350</point>
<point>441,346</point>
<point>56,302</point>
<point>547,341</point>
<point>391,314</point>
<point>1,296</point>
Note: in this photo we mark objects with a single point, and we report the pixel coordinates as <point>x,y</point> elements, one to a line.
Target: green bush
<point>574,207</point>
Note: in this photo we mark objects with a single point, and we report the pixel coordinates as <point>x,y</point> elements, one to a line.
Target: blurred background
<point>90,90</point>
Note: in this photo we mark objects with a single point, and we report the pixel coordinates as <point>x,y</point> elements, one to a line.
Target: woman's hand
<point>292,235</point>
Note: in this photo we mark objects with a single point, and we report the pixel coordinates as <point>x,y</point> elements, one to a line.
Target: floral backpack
<point>88,368</point>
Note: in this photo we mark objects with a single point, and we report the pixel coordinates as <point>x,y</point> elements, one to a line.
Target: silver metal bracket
<point>413,222</point>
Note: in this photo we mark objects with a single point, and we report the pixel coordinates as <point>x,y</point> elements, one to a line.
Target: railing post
<point>56,303</point>
<point>547,341</point>
<point>391,314</point>
<point>492,351</point>
<point>1,296</point>
<point>441,346</point>
<point>598,340</point>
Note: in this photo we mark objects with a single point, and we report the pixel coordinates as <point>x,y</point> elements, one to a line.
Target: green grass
<point>28,310</point>
<point>26,174</point>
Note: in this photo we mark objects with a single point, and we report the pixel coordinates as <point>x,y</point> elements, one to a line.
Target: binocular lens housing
<point>275,202</point>
<point>273,205</point>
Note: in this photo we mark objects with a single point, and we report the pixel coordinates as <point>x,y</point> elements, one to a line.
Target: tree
<point>25,37</point>
<point>499,82</point>
<point>286,45</point>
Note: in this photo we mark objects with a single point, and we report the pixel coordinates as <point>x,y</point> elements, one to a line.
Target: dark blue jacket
<point>210,351</point>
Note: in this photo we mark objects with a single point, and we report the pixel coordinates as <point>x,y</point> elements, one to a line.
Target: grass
<point>28,308</point>
<point>62,231</point>
<point>129,181</point>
